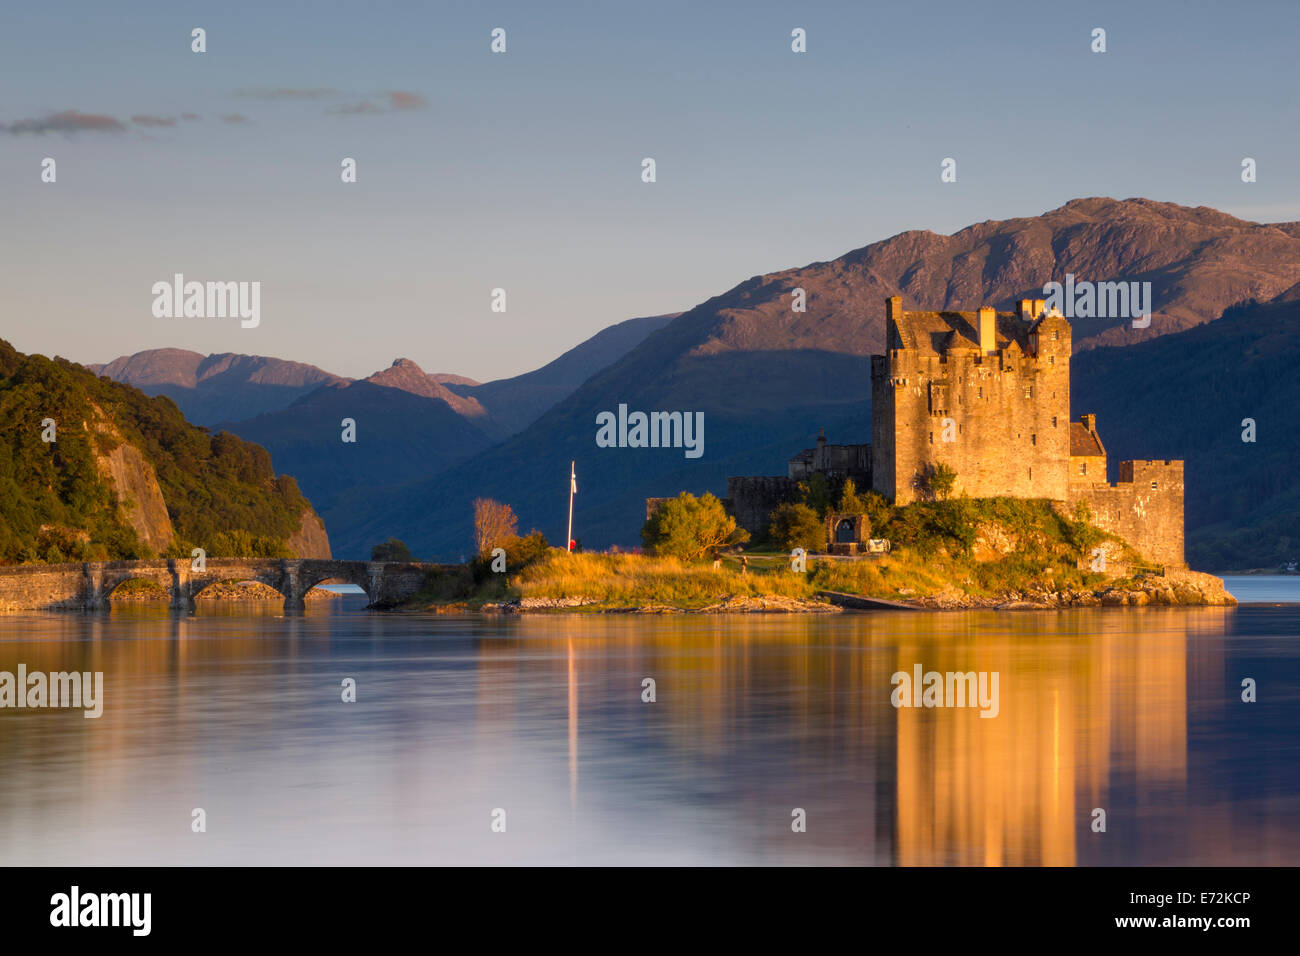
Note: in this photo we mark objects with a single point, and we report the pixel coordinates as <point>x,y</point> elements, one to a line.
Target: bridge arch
<point>198,585</point>
<point>114,585</point>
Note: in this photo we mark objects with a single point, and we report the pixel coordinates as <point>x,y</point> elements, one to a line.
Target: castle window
<point>1029,391</point>
<point>1055,335</point>
<point>1033,439</point>
<point>981,392</point>
<point>1053,421</point>
<point>1154,486</point>
<point>1031,474</point>
<point>1083,467</point>
<point>1051,360</point>
<point>931,438</point>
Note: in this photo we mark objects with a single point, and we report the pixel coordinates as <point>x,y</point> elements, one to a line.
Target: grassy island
<point>999,552</point>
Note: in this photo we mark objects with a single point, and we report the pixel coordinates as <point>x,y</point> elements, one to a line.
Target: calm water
<point>238,711</point>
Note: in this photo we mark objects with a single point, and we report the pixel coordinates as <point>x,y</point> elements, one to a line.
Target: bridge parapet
<point>89,586</point>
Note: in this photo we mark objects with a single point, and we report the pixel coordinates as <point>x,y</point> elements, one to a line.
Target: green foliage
<point>690,528</point>
<point>393,549</point>
<point>817,494</point>
<point>850,502</point>
<point>797,526</point>
<point>936,481</point>
<point>221,492</point>
<point>877,509</point>
<point>942,479</point>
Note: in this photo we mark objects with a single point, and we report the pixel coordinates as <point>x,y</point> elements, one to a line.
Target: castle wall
<point>1148,518</point>
<point>752,500</point>
<point>850,461</point>
<point>1010,419</point>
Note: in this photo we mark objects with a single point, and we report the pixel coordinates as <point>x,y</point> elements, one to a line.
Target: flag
<point>573,480</point>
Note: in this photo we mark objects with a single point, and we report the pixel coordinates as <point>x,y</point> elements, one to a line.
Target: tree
<point>850,503</point>
<point>942,479</point>
<point>391,550</point>
<point>937,480</point>
<point>690,528</point>
<point>797,526</point>
<point>494,524</point>
<point>816,494</point>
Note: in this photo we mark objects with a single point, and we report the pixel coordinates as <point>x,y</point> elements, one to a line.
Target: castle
<point>987,394</point>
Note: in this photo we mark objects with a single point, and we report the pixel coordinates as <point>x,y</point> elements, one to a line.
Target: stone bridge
<point>90,586</point>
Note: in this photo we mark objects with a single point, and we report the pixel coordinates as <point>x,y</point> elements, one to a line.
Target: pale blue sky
<point>522,170</point>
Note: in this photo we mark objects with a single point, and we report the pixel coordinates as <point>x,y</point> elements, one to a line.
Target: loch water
<point>237,710</point>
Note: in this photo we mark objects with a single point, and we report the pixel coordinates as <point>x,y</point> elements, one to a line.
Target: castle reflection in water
<point>1136,712</point>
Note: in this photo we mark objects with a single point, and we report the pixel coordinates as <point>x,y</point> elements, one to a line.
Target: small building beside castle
<point>986,393</point>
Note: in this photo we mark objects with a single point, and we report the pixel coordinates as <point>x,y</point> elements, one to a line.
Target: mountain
<point>212,388</point>
<point>230,387</point>
<point>1187,396</point>
<point>514,403</point>
<point>400,436</point>
<point>92,469</point>
<point>406,376</point>
<point>766,377</point>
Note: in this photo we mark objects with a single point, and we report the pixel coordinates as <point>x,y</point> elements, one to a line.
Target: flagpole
<point>573,483</point>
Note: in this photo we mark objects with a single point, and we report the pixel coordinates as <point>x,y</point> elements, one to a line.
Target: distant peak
<point>406,363</point>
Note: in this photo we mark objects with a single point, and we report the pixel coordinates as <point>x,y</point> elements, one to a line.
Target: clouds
<point>390,101</point>
<point>287,93</point>
<point>71,121</point>
<point>365,106</point>
<point>400,100</point>
<point>68,121</point>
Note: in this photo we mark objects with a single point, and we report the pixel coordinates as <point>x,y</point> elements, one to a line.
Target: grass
<point>629,580</point>
<point>980,548</point>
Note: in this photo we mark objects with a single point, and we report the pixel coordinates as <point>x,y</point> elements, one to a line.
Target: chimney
<point>1031,309</point>
<point>819,462</point>
<point>1089,422</point>
<point>894,308</point>
<point>988,329</point>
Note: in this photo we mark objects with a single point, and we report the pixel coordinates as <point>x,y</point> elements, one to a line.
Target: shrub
<point>850,502</point>
<point>937,481</point>
<point>391,550</point>
<point>690,528</point>
<point>797,526</point>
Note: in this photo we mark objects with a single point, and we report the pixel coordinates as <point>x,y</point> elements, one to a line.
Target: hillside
<point>128,477</point>
<point>767,378</point>
<point>514,403</point>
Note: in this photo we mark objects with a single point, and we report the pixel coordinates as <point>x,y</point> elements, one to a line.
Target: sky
<point>522,170</point>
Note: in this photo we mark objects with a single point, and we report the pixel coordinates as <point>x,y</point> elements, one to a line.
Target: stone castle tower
<point>986,393</point>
